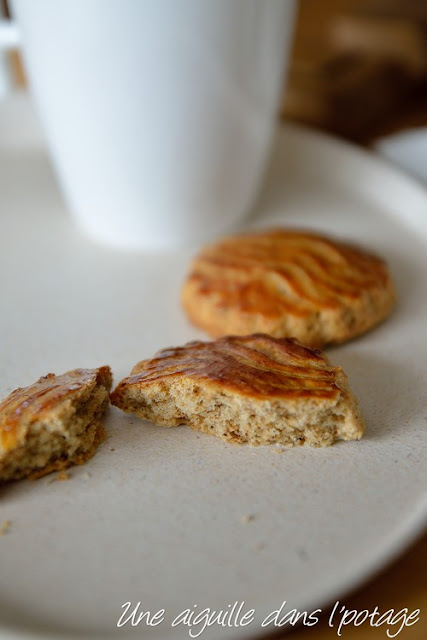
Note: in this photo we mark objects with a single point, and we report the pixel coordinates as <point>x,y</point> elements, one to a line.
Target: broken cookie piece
<point>54,423</point>
<point>255,389</point>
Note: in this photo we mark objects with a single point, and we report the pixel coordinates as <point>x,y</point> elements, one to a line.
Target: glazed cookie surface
<point>255,389</point>
<point>287,284</point>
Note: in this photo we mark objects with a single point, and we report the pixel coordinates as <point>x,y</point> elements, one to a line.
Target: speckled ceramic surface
<point>168,517</point>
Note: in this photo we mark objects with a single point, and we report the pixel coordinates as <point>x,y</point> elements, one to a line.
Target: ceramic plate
<point>170,518</point>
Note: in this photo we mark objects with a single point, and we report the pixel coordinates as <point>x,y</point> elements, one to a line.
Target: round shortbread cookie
<point>287,284</point>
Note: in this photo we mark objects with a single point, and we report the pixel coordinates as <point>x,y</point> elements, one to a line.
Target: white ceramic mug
<point>158,114</point>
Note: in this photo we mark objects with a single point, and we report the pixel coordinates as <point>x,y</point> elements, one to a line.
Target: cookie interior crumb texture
<point>54,423</point>
<point>255,389</point>
<point>288,284</point>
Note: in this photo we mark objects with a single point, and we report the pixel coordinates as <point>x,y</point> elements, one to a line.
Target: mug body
<point>158,114</point>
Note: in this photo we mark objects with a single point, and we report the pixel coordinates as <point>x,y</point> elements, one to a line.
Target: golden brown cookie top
<point>257,366</point>
<point>284,271</point>
<point>35,402</point>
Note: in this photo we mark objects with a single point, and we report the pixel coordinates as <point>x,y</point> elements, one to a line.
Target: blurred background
<point>359,71</point>
<point>358,68</point>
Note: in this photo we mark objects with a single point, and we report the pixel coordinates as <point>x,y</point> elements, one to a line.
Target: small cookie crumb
<point>281,448</point>
<point>4,527</point>
<point>248,517</point>
<point>61,477</point>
